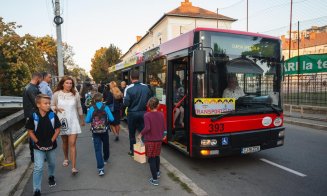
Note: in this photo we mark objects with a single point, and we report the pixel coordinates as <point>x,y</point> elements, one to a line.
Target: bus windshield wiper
<point>214,119</point>
<point>275,109</point>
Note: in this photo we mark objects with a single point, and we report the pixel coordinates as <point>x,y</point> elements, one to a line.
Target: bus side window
<point>156,79</point>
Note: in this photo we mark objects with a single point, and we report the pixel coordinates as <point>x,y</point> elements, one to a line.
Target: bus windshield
<point>241,67</point>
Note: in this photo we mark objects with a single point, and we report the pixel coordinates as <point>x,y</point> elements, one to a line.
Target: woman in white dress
<point>66,103</point>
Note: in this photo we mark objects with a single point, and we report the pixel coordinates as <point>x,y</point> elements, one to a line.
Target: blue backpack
<point>36,119</point>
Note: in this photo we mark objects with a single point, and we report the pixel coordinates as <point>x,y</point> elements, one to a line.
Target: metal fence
<point>305,89</point>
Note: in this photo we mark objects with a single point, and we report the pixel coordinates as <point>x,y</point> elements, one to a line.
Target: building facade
<point>176,22</point>
<point>311,41</point>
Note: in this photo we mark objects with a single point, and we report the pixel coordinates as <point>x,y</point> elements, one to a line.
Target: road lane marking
<point>284,168</point>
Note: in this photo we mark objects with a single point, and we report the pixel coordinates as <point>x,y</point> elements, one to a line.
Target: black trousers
<point>135,122</point>
<point>154,163</point>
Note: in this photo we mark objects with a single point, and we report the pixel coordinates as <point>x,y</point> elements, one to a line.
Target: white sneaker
<point>101,172</point>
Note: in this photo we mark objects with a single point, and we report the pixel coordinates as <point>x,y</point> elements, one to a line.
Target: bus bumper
<point>236,143</point>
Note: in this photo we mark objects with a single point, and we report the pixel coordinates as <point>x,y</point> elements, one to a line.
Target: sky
<point>90,25</point>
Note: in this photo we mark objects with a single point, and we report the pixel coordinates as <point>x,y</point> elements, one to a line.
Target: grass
<point>182,184</point>
<point>309,98</point>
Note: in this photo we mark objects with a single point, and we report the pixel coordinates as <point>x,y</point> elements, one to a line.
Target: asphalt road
<point>304,157</point>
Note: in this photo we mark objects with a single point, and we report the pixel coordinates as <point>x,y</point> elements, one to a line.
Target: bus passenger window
<point>156,79</point>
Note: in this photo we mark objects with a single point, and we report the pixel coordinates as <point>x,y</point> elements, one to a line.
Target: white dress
<point>68,118</point>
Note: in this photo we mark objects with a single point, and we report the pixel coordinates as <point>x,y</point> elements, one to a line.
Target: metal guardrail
<point>7,126</point>
<point>11,102</point>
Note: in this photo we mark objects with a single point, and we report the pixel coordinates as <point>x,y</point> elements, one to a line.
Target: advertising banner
<point>314,63</point>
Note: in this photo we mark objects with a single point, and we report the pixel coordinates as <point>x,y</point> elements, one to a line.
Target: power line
<point>305,24</point>
<point>231,5</point>
<point>271,8</point>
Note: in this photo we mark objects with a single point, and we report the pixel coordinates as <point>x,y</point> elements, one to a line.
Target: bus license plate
<point>250,149</point>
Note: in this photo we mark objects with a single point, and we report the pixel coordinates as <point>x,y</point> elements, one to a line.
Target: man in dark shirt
<point>136,97</point>
<point>29,94</point>
<point>43,129</point>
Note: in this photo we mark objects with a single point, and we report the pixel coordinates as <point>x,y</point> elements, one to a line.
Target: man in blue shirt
<point>136,97</point>
<point>44,85</point>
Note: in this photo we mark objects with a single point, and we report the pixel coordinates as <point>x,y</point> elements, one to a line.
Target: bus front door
<point>177,112</point>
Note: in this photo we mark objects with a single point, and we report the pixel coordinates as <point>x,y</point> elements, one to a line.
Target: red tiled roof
<point>314,39</point>
<point>188,10</point>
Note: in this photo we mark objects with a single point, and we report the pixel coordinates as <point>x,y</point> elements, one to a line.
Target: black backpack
<point>99,123</point>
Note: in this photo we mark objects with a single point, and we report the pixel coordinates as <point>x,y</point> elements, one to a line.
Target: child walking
<point>43,128</point>
<point>153,132</point>
<point>99,115</point>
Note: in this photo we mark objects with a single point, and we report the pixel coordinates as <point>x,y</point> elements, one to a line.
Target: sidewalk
<point>316,121</point>
<point>123,176</point>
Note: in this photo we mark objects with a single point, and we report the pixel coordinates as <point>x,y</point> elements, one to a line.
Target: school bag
<point>99,123</point>
<point>36,119</point>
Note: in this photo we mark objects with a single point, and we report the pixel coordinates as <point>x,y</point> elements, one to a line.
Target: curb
<point>304,124</point>
<point>195,189</point>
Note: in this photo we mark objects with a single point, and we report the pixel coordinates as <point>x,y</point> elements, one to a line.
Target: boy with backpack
<point>43,129</point>
<point>98,115</point>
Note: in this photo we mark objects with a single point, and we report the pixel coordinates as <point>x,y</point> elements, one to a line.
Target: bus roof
<point>235,32</point>
<point>186,40</point>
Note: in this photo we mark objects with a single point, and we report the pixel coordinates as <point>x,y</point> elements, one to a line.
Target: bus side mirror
<point>199,57</point>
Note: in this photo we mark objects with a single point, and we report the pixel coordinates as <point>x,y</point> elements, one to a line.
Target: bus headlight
<point>281,134</point>
<point>278,121</point>
<point>209,142</point>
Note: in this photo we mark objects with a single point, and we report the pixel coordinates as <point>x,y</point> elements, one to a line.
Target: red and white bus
<point>189,75</point>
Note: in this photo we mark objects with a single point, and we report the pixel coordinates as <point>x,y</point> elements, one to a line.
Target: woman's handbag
<point>63,121</point>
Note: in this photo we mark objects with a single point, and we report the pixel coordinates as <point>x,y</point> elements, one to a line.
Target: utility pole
<point>290,35</point>
<point>58,20</point>
<point>289,49</point>
<point>217,18</point>
<point>247,15</point>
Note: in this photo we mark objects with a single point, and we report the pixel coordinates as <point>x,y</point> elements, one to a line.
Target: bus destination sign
<point>213,106</point>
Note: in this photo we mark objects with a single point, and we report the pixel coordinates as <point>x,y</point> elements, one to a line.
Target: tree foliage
<point>22,55</point>
<point>102,60</point>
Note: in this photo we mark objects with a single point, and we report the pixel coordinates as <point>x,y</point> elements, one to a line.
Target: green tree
<point>14,71</point>
<point>102,60</point>
<point>22,55</point>
<point>112,55</point>
<point>99,67</point>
